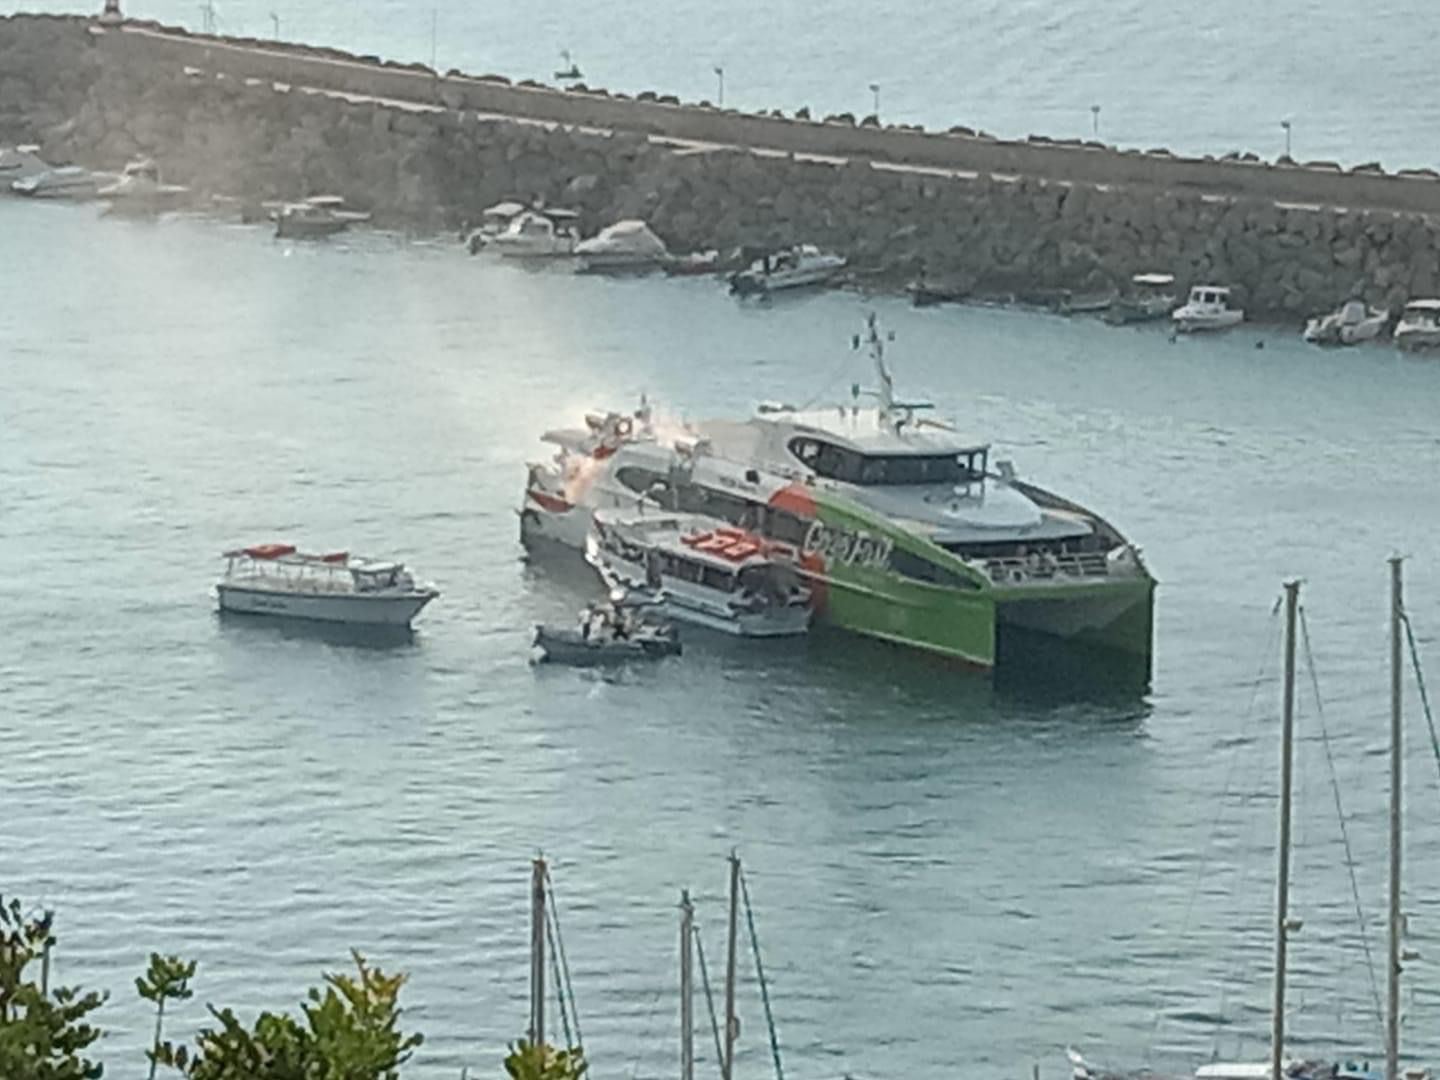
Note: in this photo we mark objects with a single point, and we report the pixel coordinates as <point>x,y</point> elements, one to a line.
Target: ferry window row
<point>852,467</point>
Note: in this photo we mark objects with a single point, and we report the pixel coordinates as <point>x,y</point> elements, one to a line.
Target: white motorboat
<point>1151,296</point>
<point>1208,308</point>
<point>1351,324</point>
<point>314,218</point>
<point>537,234</point>
<point>20,163</point>
<point>493,221</point>
<point>626,246</point>
<point>66,182</point>
<point>793,268</point>
<point>275,579</point>
<point>703,571</point>
<point>139,190</point>
<point>1419,325</point>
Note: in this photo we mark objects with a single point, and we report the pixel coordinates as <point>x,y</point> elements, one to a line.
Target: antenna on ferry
<point>877,354</point>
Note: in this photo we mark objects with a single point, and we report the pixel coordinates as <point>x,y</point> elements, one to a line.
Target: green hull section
<point>882,581</point>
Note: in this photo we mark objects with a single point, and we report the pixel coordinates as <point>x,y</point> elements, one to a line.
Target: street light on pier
<point>274,18</point>
<point>1095,120</point>
<point>1286,125</point>
<point>875,89</point>
<point>720,86</point>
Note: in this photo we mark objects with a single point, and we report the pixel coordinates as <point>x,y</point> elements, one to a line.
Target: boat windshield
<point>889,470</point>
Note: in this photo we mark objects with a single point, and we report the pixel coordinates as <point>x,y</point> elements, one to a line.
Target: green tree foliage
<point>43,1036</point>
<point>167,979</point>
<point>351,1031</point>
<point>532,1061</point>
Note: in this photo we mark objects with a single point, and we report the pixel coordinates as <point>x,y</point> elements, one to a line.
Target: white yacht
<point>793,268</point>
<point>275,579</point>
<point>1350,324</point>
<point>903,530</point>
<point>314,218</point>
<point>625,246</point>
<point>139,190</point>
<point>1151,296</point>
<point>493,221</point>
<point>703,571</point>
<point>20,163</point>
<point>1419,325</point>
<point>66,182</point>
<point>537,234</point>
<point>1208,308</point>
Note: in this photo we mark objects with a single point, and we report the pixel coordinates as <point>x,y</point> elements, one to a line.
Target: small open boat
<point>612,633</point>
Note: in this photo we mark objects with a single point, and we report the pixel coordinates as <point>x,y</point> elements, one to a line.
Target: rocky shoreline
<point>99,96</point>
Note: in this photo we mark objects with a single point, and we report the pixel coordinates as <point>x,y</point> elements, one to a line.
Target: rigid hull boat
<point>901,530</point>
<point>1351,324</point>
<point>1208,308</point>
<point>1419,325</point>
<point>275,579</point>
<point>1151,296</point>
<point>626,246</point>
<point>796,267</point>
<point>702,571</point>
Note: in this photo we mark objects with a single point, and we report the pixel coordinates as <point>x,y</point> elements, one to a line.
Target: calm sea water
<point>1206,78</point>
<point>948,873</point>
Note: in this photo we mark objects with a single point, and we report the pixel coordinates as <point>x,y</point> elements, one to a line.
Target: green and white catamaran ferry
<point>902,530</point>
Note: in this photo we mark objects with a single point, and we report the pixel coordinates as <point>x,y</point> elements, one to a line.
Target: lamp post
<point>1095,119</point>
<point>720,86</point>
<point>274,18</point>
<point>875,89</point>
<point>1286,125</point>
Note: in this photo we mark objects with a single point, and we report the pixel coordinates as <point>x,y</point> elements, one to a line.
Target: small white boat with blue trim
<point>276,579</point>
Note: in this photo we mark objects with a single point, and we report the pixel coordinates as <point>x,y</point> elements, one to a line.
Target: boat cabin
<point>494,219</point>
<point>1211,296</point>
<point>1427,311</point>
<point>854,465</point>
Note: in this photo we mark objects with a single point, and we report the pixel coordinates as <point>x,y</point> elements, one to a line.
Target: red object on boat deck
<point>336,557</point>
<point>270,551</point>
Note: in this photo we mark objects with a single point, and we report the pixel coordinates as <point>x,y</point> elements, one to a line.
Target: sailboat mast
<point>1282,890</point>
<point>687,981</point>
<point>1392,1011</point>
<point>728,1070</point>
<point>537,953</point>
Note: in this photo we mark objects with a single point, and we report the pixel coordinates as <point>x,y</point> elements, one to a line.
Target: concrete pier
<point>260,120</point>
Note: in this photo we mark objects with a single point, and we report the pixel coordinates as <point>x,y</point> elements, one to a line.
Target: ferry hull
<point>1117,615</point>
<point>353,610</point>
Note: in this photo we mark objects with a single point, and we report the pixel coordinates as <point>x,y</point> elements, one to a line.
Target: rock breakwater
<point>258,122</point>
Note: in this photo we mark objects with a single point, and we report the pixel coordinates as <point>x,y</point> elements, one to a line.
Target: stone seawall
<point>258,121</point>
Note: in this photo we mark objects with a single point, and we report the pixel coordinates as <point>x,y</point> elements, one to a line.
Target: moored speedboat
<point>796,267</point>
<point>493,221</point>
<point>275,579</point>
<point>140,190</point>
<point>315,218</point>
<point>703,571</point>
<point>66,182</point>
<point>1351,324</point>
<point>1208,308</point>
<point>1419,325</point>
<point>20,163</point>
<point>902,530</point>
<point>1151,296</point>
<point>625,247</point>
<point>537,234</point>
